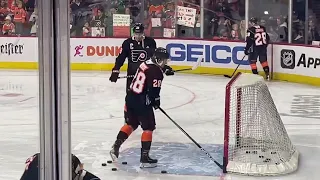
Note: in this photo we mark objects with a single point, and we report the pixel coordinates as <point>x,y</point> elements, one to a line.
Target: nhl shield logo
<point>288,59</point>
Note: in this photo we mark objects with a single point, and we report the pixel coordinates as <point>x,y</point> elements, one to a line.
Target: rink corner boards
<point>200,70</point>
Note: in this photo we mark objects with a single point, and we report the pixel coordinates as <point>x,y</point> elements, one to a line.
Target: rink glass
<point>19,93</point>
<point>92,94</point>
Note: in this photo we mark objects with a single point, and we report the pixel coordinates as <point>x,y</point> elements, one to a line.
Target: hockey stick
<point>192,68</point>
<point>235,69</point>
<point>179,70</point>
<point>124,77</point>
<point>195,142</point>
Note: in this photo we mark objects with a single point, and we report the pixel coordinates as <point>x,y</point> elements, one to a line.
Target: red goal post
<point>255,139</point>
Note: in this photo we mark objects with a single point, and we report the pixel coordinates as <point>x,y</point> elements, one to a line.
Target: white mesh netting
<point>257,141</point>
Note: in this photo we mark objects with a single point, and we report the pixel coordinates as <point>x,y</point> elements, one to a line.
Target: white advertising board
<point>18,49</point>
<point>299,60</point>
<point>95,50</point>
<point>215,53</point>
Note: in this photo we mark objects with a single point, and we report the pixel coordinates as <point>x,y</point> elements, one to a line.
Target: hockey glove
<point>247,51</point>
<point>156,103</point>
<point>114,75</point>
<point>168,70</point>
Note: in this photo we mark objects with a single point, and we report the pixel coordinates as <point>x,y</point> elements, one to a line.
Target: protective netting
<point>257,142</point>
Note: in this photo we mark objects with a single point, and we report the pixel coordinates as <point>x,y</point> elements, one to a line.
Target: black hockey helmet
<point>160,56</point>
<point>253,20</point>
<point>138,28</point>
<point>76,167</point>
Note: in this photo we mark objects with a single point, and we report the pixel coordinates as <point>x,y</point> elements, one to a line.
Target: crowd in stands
<point>223,19</point>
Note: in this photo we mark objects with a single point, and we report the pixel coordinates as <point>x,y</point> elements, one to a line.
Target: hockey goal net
<point>255,139</point>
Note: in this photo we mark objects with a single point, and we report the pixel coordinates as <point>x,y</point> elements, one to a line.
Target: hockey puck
<point>254,152</point>
<point>114,169</point>
<point>109,162</point>
<point>163,171</point>
<point>104,164</point>
<point>124,162</point>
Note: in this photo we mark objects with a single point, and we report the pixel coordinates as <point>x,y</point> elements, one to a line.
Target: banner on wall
<point>186,52</point>
<point>297,60</point>
<point>102,50</point>
<point>18,49</point>
<point>186,16</point>
<point>121,25</point>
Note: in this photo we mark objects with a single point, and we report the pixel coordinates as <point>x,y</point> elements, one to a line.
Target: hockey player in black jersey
<point>137,49</point>
<point>257,42</point>
<point>32,172</point>
<point>142,97</point>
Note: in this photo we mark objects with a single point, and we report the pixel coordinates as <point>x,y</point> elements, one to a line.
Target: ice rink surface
<point>195,102</point>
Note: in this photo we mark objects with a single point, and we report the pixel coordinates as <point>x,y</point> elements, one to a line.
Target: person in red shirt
<point>19,17</point>
<point>4,11</point>
<point>8,27</point>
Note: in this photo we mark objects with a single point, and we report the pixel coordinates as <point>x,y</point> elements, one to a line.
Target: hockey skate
<point>268,77</point>
<point>114,152</point>
<point>146,161</point>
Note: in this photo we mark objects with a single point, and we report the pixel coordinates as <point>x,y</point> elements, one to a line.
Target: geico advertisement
<point>298,60</point>
<point>211,52</point>
<point>181,51</point>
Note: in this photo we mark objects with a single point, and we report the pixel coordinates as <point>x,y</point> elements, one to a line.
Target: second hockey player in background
<point>257,42</point>
<point>137,49</point>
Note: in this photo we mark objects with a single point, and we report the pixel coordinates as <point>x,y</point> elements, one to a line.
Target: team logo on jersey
<point>288,59</point>
<point>138,55</point>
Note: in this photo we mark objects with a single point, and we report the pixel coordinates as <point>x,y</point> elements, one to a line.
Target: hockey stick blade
<point>194,141</point>
<point>193,67</point>
<point>235,70</point>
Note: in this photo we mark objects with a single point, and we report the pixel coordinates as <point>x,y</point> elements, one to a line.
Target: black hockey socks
<point>146,140</point>
<point>266,69</point>
<point>123,134</point>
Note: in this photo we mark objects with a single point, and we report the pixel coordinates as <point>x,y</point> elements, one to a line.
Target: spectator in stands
<point>76,5</point>
<point>19,17</point>
<point>313,34</point>
<point>8,27</point>
<point>243,30</point>
<point>4,12</point>
<point>184,31</point>
<point>298,35</point>
<point>282,29</point>
<point>235,33</point>
<point>86,30</point>
<point>109,21</point>
<point>223,9</point>
<point>99,19</point>
<point>34,22</point>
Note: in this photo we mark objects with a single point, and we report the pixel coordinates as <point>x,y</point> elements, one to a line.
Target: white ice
<point>195,102</point>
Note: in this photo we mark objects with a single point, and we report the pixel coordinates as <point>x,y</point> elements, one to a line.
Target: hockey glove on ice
<point>168,70</point>
<point>156,103</point>
<point>114,75</point>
